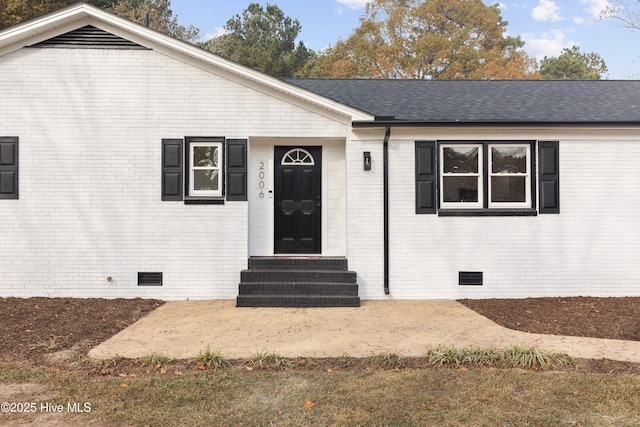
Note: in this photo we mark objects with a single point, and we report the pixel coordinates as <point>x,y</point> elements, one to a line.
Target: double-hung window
<point>461,179</point>
<point>205,168</point>
<point>509,176</point>
<point>487,177</point>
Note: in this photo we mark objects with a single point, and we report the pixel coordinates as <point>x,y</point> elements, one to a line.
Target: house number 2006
<point>261,176</point>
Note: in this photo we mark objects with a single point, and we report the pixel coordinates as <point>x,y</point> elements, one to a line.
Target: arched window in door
<point>297,156</point>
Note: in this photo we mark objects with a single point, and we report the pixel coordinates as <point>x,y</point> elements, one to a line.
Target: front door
<point>297,198</point>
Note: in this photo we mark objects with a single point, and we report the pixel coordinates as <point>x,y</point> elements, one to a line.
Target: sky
<point>546,26</point>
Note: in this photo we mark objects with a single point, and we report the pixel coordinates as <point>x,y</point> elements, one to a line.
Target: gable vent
<point>149,279</point>
<point>89,37</point>
<point>470,278</point>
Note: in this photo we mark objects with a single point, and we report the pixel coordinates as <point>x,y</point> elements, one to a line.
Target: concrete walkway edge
<point>181,329</point>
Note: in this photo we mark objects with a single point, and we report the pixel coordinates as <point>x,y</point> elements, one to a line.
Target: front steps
<point>298,282</point>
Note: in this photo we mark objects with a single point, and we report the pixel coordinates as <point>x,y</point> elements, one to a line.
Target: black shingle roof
<point>497,101</point>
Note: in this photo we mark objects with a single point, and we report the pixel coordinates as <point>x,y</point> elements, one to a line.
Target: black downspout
<point>385,156</point>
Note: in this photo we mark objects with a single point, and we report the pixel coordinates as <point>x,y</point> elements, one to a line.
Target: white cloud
<point>578,20</point>
<point>594,7</point>
<point>354,4</point>
<point>546,10</point>
<point>549,44</point>
<point>217,32</point>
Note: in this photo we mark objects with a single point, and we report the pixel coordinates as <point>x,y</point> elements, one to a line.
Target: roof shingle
<point>495,101</point>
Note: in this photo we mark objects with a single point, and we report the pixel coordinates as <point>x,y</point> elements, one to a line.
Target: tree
<point>13,12</point>
<point>446,39</point>
<point>571,64</point>
<point>263,39</point>
<point>161,17</point>
<point>626,12</point>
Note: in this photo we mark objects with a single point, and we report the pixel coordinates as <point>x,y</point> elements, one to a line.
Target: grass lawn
<point>244,395</point>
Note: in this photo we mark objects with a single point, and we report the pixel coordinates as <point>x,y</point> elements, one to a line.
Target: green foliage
<point>155,359</point>
<point>517,356</point>
<point>387,360</point>
<point>453,39</point>
<point>571,64</point>
<point>161,17</point>
<point>211,359</point>
<point>263,39</point>
<point>269,360</point>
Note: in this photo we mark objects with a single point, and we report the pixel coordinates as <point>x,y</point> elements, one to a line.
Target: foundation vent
<point>470,278</point>
<point>149,279</point>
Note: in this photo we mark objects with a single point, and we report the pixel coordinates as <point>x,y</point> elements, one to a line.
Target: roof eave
<point>380,124</point>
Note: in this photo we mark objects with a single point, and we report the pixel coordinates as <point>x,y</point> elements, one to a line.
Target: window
<point>510,176</point>
<point>487,177</point>
<point>201,170</point>
<point>461,181</point>
<point>205,170</point>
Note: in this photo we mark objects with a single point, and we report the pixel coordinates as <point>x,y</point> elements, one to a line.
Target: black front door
<point>297,198</point>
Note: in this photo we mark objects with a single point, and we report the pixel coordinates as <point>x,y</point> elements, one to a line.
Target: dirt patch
<point>32,329</point>
<point>614,318</point>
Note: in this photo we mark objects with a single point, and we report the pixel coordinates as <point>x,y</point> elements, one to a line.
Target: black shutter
<point>426,177</point>
<point>9,167</point>
<point>236,179</point>
<point>172,172</point>
<point>549,177</point>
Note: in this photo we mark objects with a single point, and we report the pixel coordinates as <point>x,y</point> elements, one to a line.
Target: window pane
<point>460,159</point>
<point>205,180</point>
<point>508,160</point>
<point>508,189</point>
<point>205,156</point>
<point>460,189</point>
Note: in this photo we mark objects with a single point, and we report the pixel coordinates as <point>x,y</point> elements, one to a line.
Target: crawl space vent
<point>470,278</point>
<point>149,279</point>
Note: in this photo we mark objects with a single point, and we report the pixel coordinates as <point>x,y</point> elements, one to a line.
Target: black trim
<point>487,212</point>
<point>549,176</point>
<point>385,161</point>
<point>426,177</point>
<point>236,173</point>
<point>172,172</point>
<point>9,167</point>
<point>363,124</point>
<point>203,201</point>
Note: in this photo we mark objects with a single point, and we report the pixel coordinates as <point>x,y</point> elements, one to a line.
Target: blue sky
<point>546,26</point>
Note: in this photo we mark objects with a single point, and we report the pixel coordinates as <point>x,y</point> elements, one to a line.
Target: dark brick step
<point>297,288</point>
<point>302,263</point>
<point>297,301</point>
<point>324,276</point>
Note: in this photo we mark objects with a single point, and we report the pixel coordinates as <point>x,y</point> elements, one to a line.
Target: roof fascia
<point>78,15</point>
<point>377,124</point>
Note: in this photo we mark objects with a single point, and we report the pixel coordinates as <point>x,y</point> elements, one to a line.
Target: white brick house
<point>136,165</point>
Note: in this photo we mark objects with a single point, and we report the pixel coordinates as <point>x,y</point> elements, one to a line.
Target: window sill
<point>487,212</point>
<point>203,201</point>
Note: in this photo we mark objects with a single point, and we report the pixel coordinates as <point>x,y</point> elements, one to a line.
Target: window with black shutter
<point>172,172</point>
<point>549,177</point>
<point>486,178</point>
<point>8,167</point>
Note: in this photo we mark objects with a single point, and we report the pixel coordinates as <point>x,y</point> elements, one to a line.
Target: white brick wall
<point>590,248</point>
<point>90,124</point>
